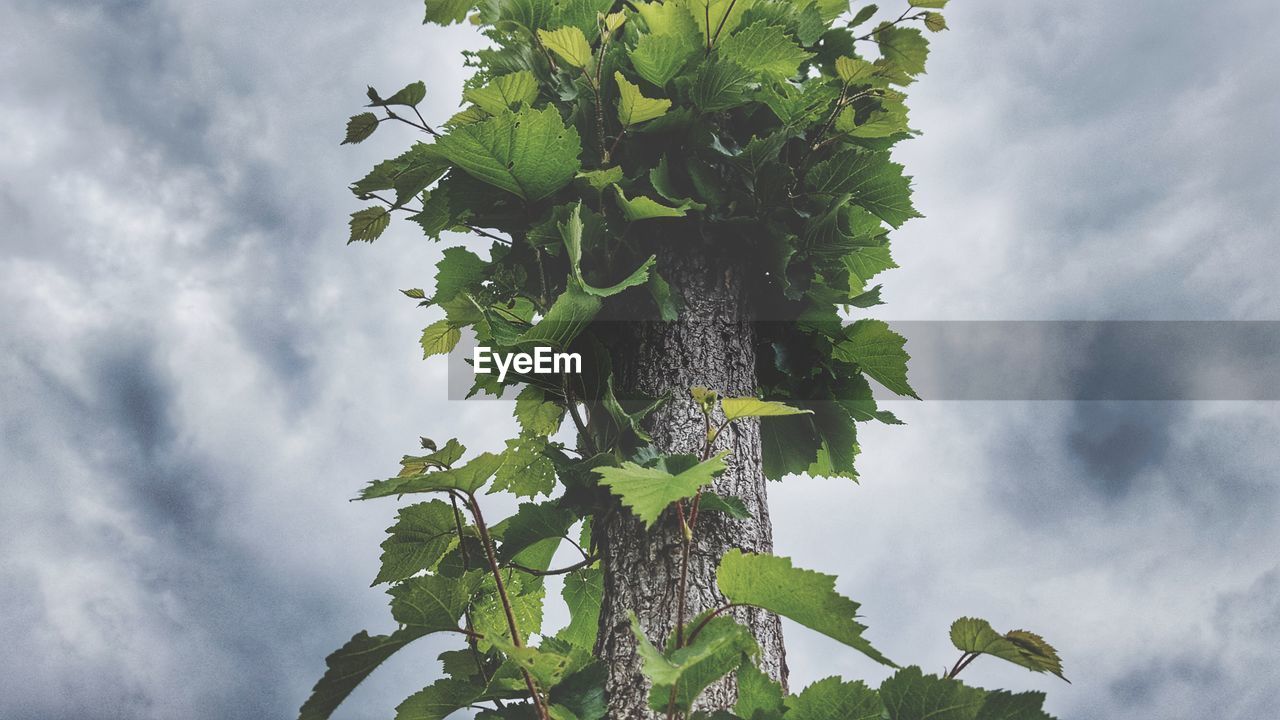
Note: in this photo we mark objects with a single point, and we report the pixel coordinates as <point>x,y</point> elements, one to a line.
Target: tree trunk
<point>712,345</point>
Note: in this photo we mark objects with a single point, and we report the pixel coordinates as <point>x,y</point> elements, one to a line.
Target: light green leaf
<point>832,9</point>
<point>600,180</point>
<point>448,12</point>
<point>360,127</point>
<point>833,698</point>
<point>935,22</point>
<point>526,470</point>
<point>932,4</point>
<point>741,407</point>
<point>880,352</point>
<point>537,415</point>
<point>766,49</point>
<point>547,668</point>
<point>646,208</point>
<point>721,647</point>
<point>467,478</point>
<point>759,697</point>
<point>349,666</point>
<point>633,107</point>
<point>439,700</point>
<point>529,153</point>
<point>865,263</point>
<point>717,18</point>
<point>459,271</point>
<point>439,338</point>
<point>903,51</point>
<point>423,533</point>
<point>805,596</point>
<point>870,179</point>
<point>583,592</point>
<point>569,43</point>
<point>973,635</point>
<point>368,225</point>
<point>568,316</point>
<point>854,70</point>
<point>505,92</point>
<point>668,304</point>
<point>863,15</point>
<point>658,58</point>
<point>649,491</point>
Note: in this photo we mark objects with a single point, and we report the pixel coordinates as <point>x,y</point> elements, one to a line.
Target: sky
<point>196,372</point>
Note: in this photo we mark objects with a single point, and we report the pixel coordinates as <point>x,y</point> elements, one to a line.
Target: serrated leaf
<point>458,271</point>
<point>360,127</point>
<point>805,596</point>
<point>439,338</point>
<point>533,523</point>
<point>720,85</point>
<point>870,180</point>
<point>834,698</point>
<point>759,697</point>
<point>904,51</point>
<point>717,18</point>
<point>568,316</point>
<point>935,22</point>
<point>423,533</point>
<point>865,263</point>
<point>467,478</point>
<point>489,617</point>
<point>646,208</point>
<point>1026,649</point>
<point>721,647</point>
<point>582,693</point>
<point>572,233</point>
<point>536,414</point>
<point>433,603</point>
<point>447,12</point>
<point>349,666</point>
<point>569,43</point>
<point>735,408</point>
<point>933,4</point>
<point>583,592</point>
<point>649,491</point>
<point>852,71</point>
<point>529,153</point>
<point>547,668</point>
<point>667,302</point>
<point>727,504</point>
<point>863,15</point>
<point>408,96</point>
<point>633,107</point>
<point>659,58</point>
<point>505,92</point>
<point>879,352</point>
<point>439,700</point>
<point>368,224</point>
<point>766,49</point>
<point>526,471</point>
<point>600,180</point>
<point>909,694</point>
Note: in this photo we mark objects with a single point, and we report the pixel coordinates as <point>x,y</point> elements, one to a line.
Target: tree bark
<point>711,345</point>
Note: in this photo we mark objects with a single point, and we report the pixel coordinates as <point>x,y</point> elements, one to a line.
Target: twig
<point>586,562</point>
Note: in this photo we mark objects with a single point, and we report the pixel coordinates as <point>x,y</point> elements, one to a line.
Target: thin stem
<point>962,663</point>
<point>423,127</point>
<point>577,419</point>
<point>586,562</point>
<point>466,565</point>
<point>718,611</point>
<point>723,20</point>
<point>506,600</point>
<point>686,536</point>
<point>491,236</point>
<point>901,18</point>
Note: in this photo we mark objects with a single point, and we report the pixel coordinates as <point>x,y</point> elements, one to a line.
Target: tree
<point>688,195</point>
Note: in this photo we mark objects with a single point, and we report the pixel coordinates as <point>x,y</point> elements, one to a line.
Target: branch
<point>901,19</point>
<point>586,562</point>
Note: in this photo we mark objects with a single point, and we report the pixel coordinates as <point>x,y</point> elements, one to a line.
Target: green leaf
<point>529,153</point>
<point>717,18</point>
<point>735,408</point>
<point>720,647</point>
<point>853,71</point>
<point>973,635</point>
<point>870,179</point>
<point>904,51</point>
<point>880,352</point>
<point>583,592</point>
<point>582,693</point>
<point>632,420</point>
<point>368,225</point>
<point>645,208</point>
<point>526,470</point>
<point>533,523</point>
<point>458,272</point>
<point>467,478</point>
<point>649,491</point>
<point>439,338</point>
<point>439,700</point>
<point>1001,705</point>
<point>727,504</point>
<point>572,231</point>
<point>832,9</point>
<point>863,15</point>
<point>720,85</point>
<point>505,92</point>
<point>349,666</point>
<point>568,316</point>
<point>833,698</point>
<point>360,127</point>
<point>805,596</point>
<point>759,697</point>
<point>633,107</point>
<point>547,668</point>
<point>909,694</point>
<point>668,304</point>
<point>448,12</point>
<point>423,533</point>
<point>658,58</point>
<point>766,49</point>
<point>600,180</point>
<point>408,96</point>
<point>569,43</point>
<point>865,263</point>
<point>933,4</point>
<point>489,617</point>
<point>537,415</point>
<point>935,22</point>
<point>433,603</point>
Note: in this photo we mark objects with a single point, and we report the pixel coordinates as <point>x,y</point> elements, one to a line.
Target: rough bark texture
<point>711,345</point>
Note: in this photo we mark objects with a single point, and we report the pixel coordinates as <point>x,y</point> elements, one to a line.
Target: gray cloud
<point>195,373</point>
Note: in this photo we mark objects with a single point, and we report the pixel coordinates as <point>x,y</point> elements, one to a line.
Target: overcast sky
<point>196,372</point>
